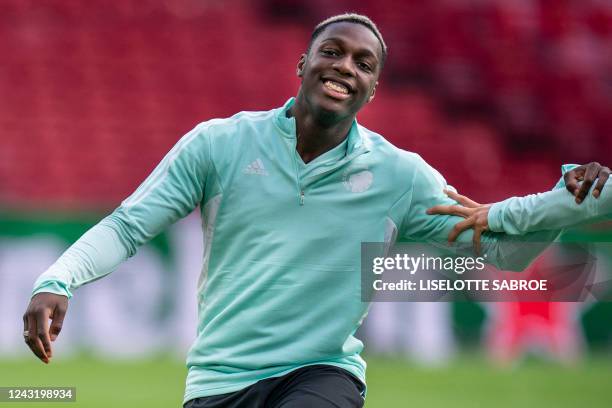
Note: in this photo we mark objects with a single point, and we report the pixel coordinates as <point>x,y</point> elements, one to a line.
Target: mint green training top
<point>280,282</point>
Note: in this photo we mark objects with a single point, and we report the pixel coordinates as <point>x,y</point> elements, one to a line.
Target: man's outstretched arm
<point>173,190</point>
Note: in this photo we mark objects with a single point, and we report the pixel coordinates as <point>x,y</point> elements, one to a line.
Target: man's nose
<point>345,66</point>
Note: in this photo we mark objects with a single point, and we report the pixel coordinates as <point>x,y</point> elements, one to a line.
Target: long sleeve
<point>553,210</point>
<point>96,254</point>
<point>171,191</point>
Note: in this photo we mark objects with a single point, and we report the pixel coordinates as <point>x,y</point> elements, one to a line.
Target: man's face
<point>340,73</point>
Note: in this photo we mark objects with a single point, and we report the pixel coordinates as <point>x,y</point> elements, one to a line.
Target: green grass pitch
<point>467,382</point>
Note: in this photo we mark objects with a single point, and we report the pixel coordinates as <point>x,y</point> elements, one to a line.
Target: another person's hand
<point>36,330</point>
<point>587,174</point>
<point>476,217</point>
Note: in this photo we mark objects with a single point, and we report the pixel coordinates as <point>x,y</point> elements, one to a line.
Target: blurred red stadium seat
<point>95,93</point>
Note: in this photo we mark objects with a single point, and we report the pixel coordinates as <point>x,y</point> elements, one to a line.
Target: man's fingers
<point>57,322</point>
<point>572,186</point>
<point>26,330</point>
<point>572,178</point>
<point>33,341</point>
<point>604,174</point>
<point>42,308</point>
<point>589,177</point>
<point>583,190</point>
<point>461,199</point>
<point>42,325</point>
<point>450,210</point>
<point>459,228</point>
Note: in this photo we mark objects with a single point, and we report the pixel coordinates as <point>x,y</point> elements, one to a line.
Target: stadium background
<point>494,94</point>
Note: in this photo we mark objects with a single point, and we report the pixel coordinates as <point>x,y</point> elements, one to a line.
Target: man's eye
<point>330,52</point>
<point>365,66</point>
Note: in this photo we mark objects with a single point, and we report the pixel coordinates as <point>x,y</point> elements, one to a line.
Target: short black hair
<point>350,18</point>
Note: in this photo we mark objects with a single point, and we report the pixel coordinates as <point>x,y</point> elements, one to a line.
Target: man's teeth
<point>334,86</point>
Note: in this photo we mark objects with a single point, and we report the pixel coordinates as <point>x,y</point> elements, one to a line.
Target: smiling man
<point>286,198</point>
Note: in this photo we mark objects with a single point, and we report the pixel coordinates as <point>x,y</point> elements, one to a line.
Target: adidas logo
<point>257,167</point>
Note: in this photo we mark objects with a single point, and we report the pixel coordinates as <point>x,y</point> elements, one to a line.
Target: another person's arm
<point>503,250</point>
<point>553,210</point>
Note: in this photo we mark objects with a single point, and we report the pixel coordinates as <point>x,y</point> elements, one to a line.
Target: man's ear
<point>373,92</point>
<point>300,65</point>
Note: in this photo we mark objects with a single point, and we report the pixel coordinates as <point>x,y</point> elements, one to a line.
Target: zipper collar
<point>356,144</point>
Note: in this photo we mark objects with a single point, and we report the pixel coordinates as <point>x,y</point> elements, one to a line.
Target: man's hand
<point>36,330</point>
<point>476,216</point>
<point>587,174</point>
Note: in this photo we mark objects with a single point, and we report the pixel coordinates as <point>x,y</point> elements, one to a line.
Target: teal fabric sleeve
<point>173,189</point>
<point>96,254</point>
<point>553,210</point>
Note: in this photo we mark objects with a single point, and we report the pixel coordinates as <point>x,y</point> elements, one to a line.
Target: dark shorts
<point>316,386</point>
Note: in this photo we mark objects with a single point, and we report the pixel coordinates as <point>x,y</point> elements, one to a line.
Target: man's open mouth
<point>336,90</point>
<point>336,86</point>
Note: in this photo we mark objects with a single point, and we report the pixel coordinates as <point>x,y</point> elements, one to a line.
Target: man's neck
<point>314,135</point>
